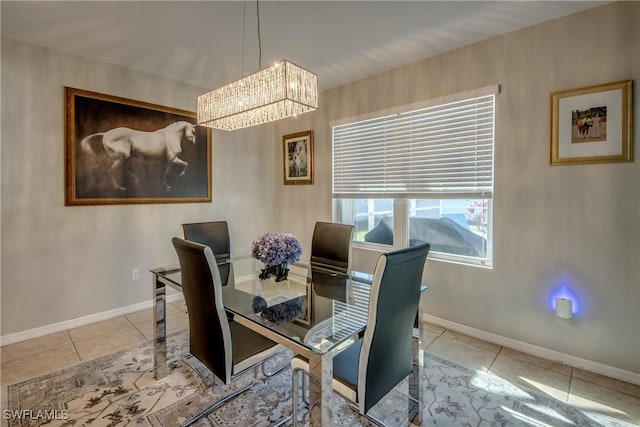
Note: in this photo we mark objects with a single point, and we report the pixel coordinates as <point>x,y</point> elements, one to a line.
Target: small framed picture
<point>592,124</point>
<point>298,158</point>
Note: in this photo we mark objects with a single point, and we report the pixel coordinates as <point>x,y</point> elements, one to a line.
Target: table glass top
<point>319,306</point>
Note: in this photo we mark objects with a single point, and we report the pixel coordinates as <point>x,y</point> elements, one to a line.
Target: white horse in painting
<point>299,161</point>
<point>120,144</point>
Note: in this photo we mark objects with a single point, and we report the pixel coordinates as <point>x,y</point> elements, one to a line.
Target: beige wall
<point>564,224</point>
<point>61,263</point>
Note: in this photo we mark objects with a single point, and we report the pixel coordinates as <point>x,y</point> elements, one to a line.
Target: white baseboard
<point>535,350</point>
<point>80,321</point>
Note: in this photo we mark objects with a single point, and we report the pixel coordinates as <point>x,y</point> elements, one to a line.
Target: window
<point>418,173</point>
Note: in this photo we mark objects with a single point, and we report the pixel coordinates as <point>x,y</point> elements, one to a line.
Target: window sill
<point>436,256</point>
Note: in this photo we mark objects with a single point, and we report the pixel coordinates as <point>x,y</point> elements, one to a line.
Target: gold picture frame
<point>592,124</point>
<point>112,154</point>
<point>297,154</point>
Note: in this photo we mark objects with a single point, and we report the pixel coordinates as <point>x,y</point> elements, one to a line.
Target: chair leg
<point>187,359</point>
<point>294,399</point>
<point>294,396</point>
<point>304,377</point>
<point>294,392</point>
<point>416,336</point>
<point>281,421</point>
<point>214,406</point>
<point>304,387</point>
<point>278,370</point>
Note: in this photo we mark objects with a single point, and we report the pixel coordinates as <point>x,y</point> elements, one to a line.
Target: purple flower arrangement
<point>276,249</point>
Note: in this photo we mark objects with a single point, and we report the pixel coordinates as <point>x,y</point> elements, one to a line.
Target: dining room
<point>556,230</point>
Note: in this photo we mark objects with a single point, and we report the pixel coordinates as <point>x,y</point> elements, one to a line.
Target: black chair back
<point>386,357</point>
<point>209,333</point>
<point>214,234</point>
<point>331,244</point>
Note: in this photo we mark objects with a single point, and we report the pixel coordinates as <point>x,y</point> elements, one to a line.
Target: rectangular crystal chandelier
<point>274,93</point>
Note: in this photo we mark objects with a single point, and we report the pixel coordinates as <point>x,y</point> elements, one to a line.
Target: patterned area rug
<point>119,390</point>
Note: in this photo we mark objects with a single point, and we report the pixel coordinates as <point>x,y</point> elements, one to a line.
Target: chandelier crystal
<point>277,92</point>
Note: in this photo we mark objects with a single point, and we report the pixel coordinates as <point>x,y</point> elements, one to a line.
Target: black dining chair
<point>214,234</point>
<point>225,347</point>
<point>331,244</point>
<point>372,366</point>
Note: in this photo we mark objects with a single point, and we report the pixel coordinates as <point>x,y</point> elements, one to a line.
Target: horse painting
<point>112,152</point>
<point>584,125</point>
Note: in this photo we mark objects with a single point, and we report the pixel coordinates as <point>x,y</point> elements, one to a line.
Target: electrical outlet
<point>135,274</point>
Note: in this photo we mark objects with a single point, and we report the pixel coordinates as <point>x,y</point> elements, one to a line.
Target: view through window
<point>427,169</point>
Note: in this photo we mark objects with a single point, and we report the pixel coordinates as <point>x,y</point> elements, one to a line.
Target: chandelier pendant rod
<point>259,39</point>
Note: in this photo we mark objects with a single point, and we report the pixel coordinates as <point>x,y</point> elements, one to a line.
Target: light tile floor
<point>609,396</point>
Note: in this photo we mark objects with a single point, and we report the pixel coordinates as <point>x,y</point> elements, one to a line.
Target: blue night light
<point>564,291</point>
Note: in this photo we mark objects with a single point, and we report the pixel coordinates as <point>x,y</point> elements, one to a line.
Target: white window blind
<point>439,151</point>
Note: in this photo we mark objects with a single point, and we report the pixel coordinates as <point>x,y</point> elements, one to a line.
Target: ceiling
<point>201,42</point>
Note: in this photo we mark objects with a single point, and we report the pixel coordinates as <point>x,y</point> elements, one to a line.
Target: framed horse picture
<point>592,124</point>
<point>298,158</point>
<point>121,151</point>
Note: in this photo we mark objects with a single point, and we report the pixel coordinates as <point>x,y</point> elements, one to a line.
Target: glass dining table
<point>317,311</point>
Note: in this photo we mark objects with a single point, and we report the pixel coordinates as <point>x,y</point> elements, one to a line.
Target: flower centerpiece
<point>276,250</point>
